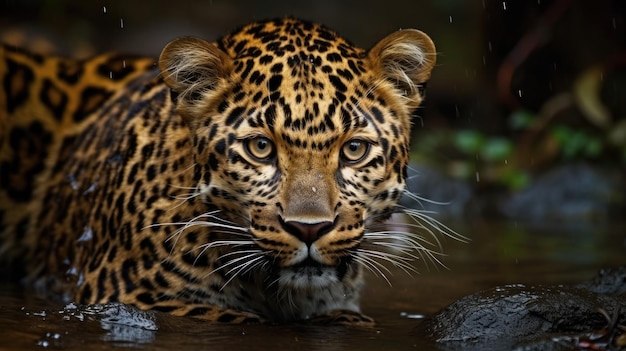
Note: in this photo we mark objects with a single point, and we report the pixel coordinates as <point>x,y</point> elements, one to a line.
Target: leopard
<point>245,179</point>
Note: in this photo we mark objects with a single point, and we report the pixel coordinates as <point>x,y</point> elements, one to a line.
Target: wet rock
<point>437,192</point>
<point>532,317</point>
<point>126,325</point>
<point>573,191</point>
<point>570,192</point>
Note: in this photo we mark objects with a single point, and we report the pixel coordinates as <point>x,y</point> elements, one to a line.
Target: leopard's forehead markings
<point>302,76</point>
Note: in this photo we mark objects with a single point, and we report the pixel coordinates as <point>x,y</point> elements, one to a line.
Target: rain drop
<point>450,19</point>
<point>104,9</point>
<point>504,5</point>
<point>477,177</point>
<point>489,45</point>
<point>614,23</point>
<point>519,92</point>
<point>122,23</point>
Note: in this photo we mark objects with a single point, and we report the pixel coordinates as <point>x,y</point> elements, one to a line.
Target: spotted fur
<point>244,179</point>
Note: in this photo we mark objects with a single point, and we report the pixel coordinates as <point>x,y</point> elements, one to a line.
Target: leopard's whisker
<point>373,266</point>
<point>230,243</point>
<point>395,260</point>
<point>435,224</point>
<point>247,254</point>
<point>234,271</point>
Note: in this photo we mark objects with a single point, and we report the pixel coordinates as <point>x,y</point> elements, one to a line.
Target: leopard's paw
<point>344,317</point>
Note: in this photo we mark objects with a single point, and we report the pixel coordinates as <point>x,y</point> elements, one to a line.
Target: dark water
<point>499,253</point>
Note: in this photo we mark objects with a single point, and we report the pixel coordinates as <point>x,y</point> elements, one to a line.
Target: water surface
<point>498,254</point>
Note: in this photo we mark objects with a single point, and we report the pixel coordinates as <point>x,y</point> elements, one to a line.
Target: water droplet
<point>110,74</point>
<point>450,19</point>
<point>489,46</point>
<point>73,182</point>
<point>519,92</point>
<point>122,23</point>
<point>43,343</point>
<point>91,188</point>
<point>75,276</point>
<point>104,9</point>
<point>87,235</point>
<point>504,5</point>
<point>412,315</point>
<point>477,177</point>
<point>614,23</point>
<point>41,314</point>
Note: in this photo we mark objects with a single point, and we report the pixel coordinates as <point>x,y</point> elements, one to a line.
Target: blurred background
<point>525,116</point>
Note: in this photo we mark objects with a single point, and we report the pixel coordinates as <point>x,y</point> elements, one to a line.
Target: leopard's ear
<point>192,66</point>
<point>405,58</point>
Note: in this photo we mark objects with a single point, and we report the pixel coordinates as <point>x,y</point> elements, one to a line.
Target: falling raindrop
<point>489,45</point>
<point>104,9</point>
<point>614,23</point>
<point>519,92</point>
<point>477,177</point>
<point>122,23</point>
<point>504,5</point>
<point>450,19</point>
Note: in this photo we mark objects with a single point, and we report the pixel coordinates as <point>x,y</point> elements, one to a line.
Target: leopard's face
<point>301,141</point>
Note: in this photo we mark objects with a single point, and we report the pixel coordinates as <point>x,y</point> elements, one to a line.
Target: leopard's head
<point>301,140</point>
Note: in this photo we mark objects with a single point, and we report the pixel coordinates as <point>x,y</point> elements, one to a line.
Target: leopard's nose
<point>308,232</point>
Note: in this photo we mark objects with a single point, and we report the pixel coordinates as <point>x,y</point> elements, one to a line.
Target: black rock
<point>532,317</point>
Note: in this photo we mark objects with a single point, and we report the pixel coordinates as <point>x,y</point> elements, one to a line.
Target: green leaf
<point>521,119</point>
<point>469,141</point>
<point>497,149</point>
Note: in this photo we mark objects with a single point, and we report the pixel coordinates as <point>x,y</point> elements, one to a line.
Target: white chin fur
<point>307,277</point>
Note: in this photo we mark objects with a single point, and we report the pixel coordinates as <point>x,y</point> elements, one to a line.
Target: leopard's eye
<point>261,148</point>
<point>354,150</point>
